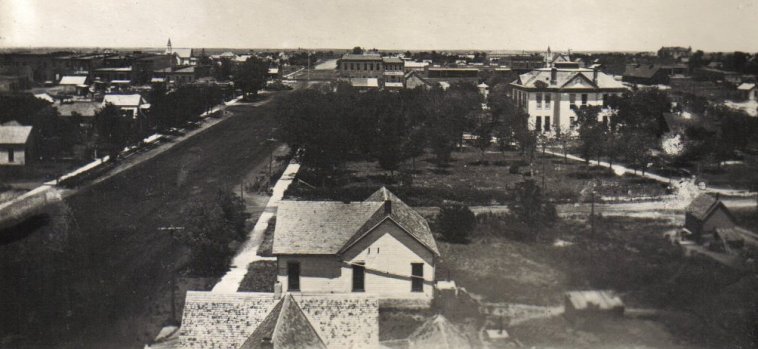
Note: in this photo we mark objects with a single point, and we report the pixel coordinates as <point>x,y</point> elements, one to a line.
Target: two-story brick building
<point>551,95</point>
<point>372,66</point>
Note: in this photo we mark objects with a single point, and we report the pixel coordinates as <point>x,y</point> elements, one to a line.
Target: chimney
<point>594,74</point>
<point>277,290</point>
<point>387,207</point>
<point>553,75</point>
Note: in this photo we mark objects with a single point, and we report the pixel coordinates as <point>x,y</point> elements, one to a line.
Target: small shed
<point>15,144</point>
<point>589,304</point>
<point>748,91</point>
<point>704,215</point>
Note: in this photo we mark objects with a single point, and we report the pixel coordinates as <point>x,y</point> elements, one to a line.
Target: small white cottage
<point>379,246</point>
<point>15,143</point>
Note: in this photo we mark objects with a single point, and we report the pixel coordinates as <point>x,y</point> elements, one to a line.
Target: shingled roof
<point>231,320</point>
<point>702,206</point>
<point>285,327</point>
<point>567,78</point>
<point>329,227</point>
<point>438,333</point>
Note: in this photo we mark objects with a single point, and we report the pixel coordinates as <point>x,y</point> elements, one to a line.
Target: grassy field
<point>626,255</point>
<point>97,275</point>
<point>478,180</point>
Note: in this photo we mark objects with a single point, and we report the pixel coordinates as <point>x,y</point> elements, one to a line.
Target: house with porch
<point>379,246</point>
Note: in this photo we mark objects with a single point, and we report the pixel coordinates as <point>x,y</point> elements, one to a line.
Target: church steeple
<point>168,46</point>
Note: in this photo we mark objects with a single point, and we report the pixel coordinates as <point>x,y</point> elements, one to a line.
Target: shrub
<point>514,169</point>
<point>455,222</point>
<point>500,163</point>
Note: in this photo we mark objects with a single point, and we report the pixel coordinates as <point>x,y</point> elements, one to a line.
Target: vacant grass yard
<point>475,182</point>
<point>626,255</point>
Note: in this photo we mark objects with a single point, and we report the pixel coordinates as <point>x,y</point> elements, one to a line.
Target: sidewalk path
<point>620,170</point>
<point>49,192</point>
<point>249,253</point>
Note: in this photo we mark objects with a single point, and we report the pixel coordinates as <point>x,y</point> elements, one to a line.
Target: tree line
<point>336,124</point>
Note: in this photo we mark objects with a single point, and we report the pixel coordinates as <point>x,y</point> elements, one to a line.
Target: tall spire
<point>168,46</point>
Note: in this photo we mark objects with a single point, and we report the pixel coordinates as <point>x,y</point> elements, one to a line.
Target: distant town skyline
<point>581,25</point>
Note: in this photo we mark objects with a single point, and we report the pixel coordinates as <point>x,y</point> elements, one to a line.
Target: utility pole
<point>171,229</point>
<point>309,66</point>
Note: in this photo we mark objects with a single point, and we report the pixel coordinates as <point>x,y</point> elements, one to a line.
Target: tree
<point>532,209</point>
<point>212,233</point>
<point>250,76</point>
<point>113,130</point>
<point>483,135</point>
<point>637,149</point>
<point>455,222</point>
<point>357,50</point>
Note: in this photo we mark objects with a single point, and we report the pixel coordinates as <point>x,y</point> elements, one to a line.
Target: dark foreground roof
<point>702,206</point>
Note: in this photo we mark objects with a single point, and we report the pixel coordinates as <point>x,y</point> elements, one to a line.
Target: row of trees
<point>333,125</point>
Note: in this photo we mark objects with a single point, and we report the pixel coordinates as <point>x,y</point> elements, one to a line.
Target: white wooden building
<point>15,144</point>
<point>379,246</point>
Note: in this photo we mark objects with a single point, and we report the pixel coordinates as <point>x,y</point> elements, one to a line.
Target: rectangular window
<point>605,99</point>
<point>359,277</point>
<point>584,99</point>
<point>539,100</point>
<point>293,276</point>
<point>547,124</point>
<point>547,100</point>
<point>417,277</point>
<point>572,121</point>
<point>11,156</point>
<point>572,98</point>
<point>538,123</point>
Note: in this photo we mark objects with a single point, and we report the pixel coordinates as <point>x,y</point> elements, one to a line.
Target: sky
<point>586,25</point>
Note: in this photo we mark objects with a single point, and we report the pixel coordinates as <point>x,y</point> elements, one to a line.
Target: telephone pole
<point>171,229</point>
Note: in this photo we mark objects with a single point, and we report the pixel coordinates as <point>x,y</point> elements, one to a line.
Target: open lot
<point>696,301</point>
<point>106,275</point>
<point>477,179</point>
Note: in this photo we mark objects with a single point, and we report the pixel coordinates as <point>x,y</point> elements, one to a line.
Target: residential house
<point>15,144</point>
<point>379,246</point>
<point>551,95</point>
<point>132,104</point>
<point>748,91</point>
<point>73,84</point>
<point>704,215</point>
<point>246,320</point>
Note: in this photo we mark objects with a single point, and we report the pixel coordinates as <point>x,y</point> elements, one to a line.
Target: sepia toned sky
<point>710,25</point>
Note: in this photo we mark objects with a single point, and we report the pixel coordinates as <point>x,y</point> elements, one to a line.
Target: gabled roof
<point>330,227</point>
<point>133,100</point>
<point>14,134</point>
<point>400,213</point>
<point>286,327</point>
<point>746,86</point>
<point>703,206</point>
<point>230,320</point>
<point>438,332</point>
<point>565,75</point>
<point>182,52</point>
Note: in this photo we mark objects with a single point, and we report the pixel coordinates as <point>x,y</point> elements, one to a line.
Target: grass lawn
<point>737,176</point>
<point>260,277</point>
<point>626,255</point>
<point>470,180</point>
